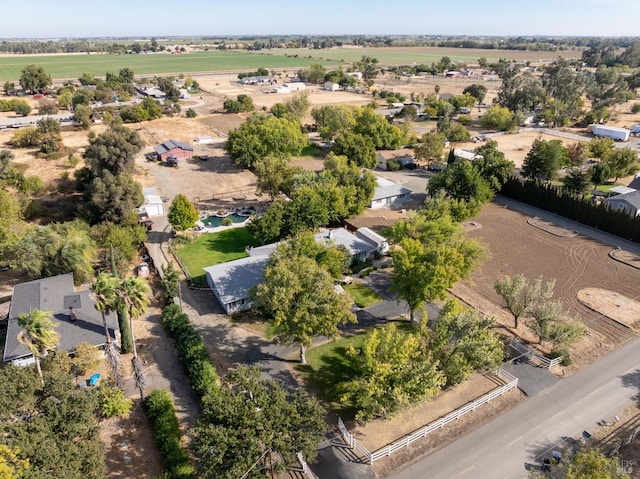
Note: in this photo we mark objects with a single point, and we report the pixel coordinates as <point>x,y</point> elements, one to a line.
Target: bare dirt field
<point>575,262</point>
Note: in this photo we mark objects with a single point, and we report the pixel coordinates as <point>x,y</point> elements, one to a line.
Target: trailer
<point>615,133</point>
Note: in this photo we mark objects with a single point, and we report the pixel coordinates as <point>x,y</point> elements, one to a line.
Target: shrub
<point>87,357</point>
<point>162,414</point>
<point>190,113</point>
<point>192,353</point>
<point>112,401</point>
<point>227,222</point>
<point>394,165</point>
<point>635,108</point>
<point>564,353</point>
<point>31,185</point>
<point>464,119</point>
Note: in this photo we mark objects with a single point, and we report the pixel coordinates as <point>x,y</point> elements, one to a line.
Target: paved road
<point>504,447</point>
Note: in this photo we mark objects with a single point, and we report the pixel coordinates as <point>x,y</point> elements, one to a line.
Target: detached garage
<point>180,150</point>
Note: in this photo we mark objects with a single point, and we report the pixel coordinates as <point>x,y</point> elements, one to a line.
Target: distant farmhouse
<point>73,311</point>
<point>291,87</point>
<point>231,282</point>
<point>257,80</point>
<point>180,150</point>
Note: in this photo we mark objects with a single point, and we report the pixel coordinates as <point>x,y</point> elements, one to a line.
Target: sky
<point>165,18</point>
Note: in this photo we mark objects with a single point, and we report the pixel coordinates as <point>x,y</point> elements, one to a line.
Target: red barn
<point>180,150</point>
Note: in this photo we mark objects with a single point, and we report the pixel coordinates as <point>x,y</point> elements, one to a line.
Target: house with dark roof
<point>231,282</point>
<point>180,150</point>
<point>628,202</point>
<point>74,312</point>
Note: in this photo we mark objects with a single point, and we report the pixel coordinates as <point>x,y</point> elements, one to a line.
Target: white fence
<point>371,457</point>
<point>533,355</point>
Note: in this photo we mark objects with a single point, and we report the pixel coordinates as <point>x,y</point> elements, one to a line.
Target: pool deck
<point>215,229</point>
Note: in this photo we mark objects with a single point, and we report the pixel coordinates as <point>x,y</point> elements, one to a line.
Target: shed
<point>330,86</point>
<point>203,140</point>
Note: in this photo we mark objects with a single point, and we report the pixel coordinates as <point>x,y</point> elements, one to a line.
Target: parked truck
<point>615,133</point>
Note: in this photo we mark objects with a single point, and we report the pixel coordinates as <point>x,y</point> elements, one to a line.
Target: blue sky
<point>161,18</point>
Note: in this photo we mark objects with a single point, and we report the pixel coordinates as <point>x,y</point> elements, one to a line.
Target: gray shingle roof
<point>56,294</point>
<point>632,199</point>
<point>390,191</point>
<point>234,279</point>
<point>170,145</point>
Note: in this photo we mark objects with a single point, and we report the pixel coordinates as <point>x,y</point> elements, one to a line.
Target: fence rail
<point>371,457</point>
<point>533,355</point>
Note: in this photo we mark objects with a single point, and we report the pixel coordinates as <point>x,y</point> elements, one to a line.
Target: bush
<point>564,353</point>
<point>162,414</point>
<point>87,357</point>
<point>227,222</point>
<point>635,108</point>
<point>31,185</point>
<point>192,353</point>
<point>394,165</point>
<point>190,113</point>
<point>464,119</point>
<point>112,401</point>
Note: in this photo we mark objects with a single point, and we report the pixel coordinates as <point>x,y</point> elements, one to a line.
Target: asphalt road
<point>507,446</point>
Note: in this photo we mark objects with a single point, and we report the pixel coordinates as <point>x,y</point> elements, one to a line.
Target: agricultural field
<point>72,66</point>
<point>425,55</point>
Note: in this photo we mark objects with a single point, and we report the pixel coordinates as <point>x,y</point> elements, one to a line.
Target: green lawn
<point>328,365</point>
<point>312,150</point>
<point>214,248</point>
<point>362,296</point>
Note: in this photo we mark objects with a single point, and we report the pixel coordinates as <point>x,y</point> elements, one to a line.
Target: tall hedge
<point>578,208</point>
<point>166,430</point>
<point>192,352</point>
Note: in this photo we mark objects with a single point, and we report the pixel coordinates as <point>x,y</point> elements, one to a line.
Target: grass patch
<point>328,365</point>
<point>259,325</point>
<point>362,295</point>
<point>312,150</point>
<point>214,248</point>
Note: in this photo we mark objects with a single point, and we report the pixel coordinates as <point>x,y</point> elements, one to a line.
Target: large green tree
<point>182,213</point>
<point>274,175</point>
<point>38,334</point>
<point>112,197</point>
<point>622,162</point>
<point>492,165</point>
<point>113,150</point>
<point>249,419</point>
<point>431,147</point>
<point>390,371</point>
<point>34,79</point>
<point>521,93</point>
<point>477,91</point>
<point>383,135</point>
<point>358,148</point>
<point>264,135</point>
<point>462,342</point>
<point>299,296</point>
<point>432,254</point>
<point>545,159</point>
<point>462,180</point>
<point>334,119</point>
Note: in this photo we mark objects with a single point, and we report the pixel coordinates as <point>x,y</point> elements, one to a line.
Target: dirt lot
<point>575,262</point>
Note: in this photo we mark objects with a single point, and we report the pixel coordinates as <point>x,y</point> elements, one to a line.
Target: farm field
<point>426,55</point>
<point>72,66</point>
<point>575,262</point>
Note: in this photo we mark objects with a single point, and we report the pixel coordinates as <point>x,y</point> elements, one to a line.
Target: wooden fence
<point>385,451</point>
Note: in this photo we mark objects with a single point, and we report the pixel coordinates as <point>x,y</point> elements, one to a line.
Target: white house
<point>465,154</point>
<point>357,75</point>
<point>231,282</point>
<point>389,194</point>
<point>330,86</point>
<point>628,202</point>
<point>291,87</point>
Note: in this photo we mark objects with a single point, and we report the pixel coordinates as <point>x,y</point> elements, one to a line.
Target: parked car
<point>172,161</point>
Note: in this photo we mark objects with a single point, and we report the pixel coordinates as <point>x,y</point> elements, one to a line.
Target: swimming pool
<point>214,221</point>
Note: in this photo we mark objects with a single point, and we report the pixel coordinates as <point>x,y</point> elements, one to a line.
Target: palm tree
<point>134,291</point>
<point>38,335</point>
<point>105,290</point>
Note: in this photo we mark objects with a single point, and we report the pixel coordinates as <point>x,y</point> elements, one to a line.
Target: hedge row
<point>162,414</point>
<point>577,208</point>
<point>191,351</point>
